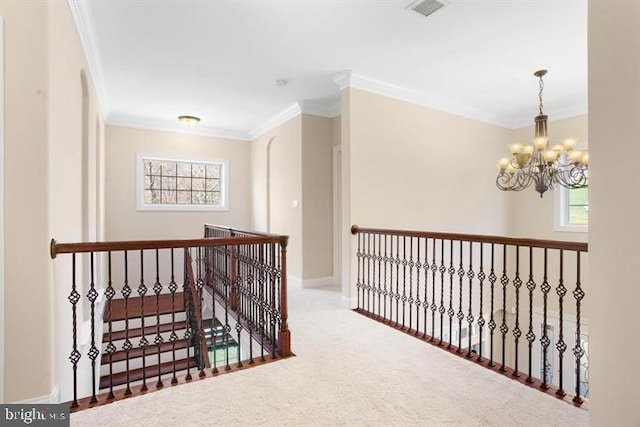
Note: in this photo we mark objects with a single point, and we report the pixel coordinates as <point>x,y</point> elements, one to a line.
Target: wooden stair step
<point>150,371</point>
<point>148,331</point>
<point>137,352</point>
<point>133,306</point>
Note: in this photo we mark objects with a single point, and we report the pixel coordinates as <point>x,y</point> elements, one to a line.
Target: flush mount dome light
<point>189,120</point>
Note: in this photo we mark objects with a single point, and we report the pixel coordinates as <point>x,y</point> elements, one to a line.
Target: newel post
<point>285,334</point>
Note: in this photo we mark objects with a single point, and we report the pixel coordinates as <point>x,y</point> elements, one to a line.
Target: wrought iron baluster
<point>425,305</point>
<point>240,282</point>
<point>75,356</point>
<point>173,287</point>
<point>561,346</point>
<point>110,349</point>
<point>418,301</point>
<point>188,334</point>
<point>492,323</point>
<point>504,281</point>
<point>93,351</point>
<point>158,341</point>
<point>379,259</point>
<point>470,318</point>
<point>578,351</point>
<point>481,320</point>
<point>201,341</point>
<point>460,314</point>
<point>443,270</point>
<point>531,336</point>
<point>545,341</point>
<point>404,279</point>
<point>517,333</point>
<point>359,279</point>
<point>450,312</point>
<point>368,268</point>
<point>397,296</point>
<point>434,307</point>
<point>142,291</point>
<point>410,298</point>
<point>126,346</point>
<point>385,293</point>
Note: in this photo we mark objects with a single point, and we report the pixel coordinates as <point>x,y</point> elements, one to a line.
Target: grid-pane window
<point>578,206</point>
<point>177,184</point>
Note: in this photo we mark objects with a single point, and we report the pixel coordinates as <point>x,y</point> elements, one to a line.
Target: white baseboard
<point>53,397</point>
<point>294,282</point>
<point>320,282</point>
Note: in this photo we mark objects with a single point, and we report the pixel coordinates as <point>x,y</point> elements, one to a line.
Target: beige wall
<point>530,215</point>
<point>44,194</point>
<point>125,222</point>
<point>281,177</point>
<point>27,282</point>
<point>614,109</point>
<point>317,197</point>
<point>76,133</point>
<point>417,168</point>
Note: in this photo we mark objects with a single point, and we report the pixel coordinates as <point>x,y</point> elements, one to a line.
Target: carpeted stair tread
<point>151,372</point>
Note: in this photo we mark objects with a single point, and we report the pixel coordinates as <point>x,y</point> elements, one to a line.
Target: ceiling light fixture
<point>189,120</point>
<point>543,164</point>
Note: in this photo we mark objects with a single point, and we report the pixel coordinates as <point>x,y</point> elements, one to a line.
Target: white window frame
<point>224,185</point>
<point>561,215</point>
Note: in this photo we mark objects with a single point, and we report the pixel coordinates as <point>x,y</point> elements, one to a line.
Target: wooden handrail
<point>239,230</point>
<point>501,240</point>
<point>62,248</point>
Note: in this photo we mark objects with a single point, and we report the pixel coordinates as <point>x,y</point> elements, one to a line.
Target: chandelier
<point>542,164</point>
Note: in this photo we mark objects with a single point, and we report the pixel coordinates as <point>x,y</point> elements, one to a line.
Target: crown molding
<point>85,27</point>
<point>163,125</point>
<point>349,79</point>
<point>554,115</point>
<point>287,114</point>
<point>328,109</point>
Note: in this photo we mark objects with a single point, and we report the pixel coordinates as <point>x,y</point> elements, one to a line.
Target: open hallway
<point>349,370</point>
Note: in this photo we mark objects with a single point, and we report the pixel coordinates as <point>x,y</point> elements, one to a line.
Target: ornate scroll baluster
<point>74,357</point>
<point>158,341</point>
<point>417,299</point>
<point>403,298</point>
<point>126,346</point>
<point>173,287</point>
<point>443,270</point>
<point>93,351</point>
<point>398,261</point>
<point>561,346</point>
<point>531,336</point>
<point>470,318</point>
<point>109,294</point>
<point>460,314</point>
<point>517,333</point>
<point>434,269</point>
<point>450,312</point>
<point>481,320</point>
<point>544,341</point>
<point>578,351</point>
<point>379,259</point>
<point>142,291</point>
<point>504,281</point>
<point>492,323</point>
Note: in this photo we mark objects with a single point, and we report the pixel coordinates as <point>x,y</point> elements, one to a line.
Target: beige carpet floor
<point>349,371</point>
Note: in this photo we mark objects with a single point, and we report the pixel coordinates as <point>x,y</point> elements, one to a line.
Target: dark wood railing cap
<point>500,240</point>
<point>60,248</point>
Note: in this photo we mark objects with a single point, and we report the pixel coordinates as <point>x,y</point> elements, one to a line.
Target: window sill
<point>181,208</point>
<point>572,228</point>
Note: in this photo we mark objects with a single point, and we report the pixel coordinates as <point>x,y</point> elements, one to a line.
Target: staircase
<point>160,318</point>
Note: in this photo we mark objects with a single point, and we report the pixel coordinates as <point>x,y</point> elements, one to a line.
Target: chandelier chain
<point>540,94</point>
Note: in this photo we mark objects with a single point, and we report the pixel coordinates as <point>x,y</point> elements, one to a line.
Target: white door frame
<point>337,214</point>
<point>2,252</point>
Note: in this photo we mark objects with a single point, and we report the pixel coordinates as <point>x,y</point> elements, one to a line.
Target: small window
<point>179,184</point>
<point>572,209</point>
<point>578,206</point>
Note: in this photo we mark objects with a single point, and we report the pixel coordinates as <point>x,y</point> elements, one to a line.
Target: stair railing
<point>512,305</point>
<point>147,286</point>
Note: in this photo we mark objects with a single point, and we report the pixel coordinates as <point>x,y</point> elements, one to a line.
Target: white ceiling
<point>155,60</point>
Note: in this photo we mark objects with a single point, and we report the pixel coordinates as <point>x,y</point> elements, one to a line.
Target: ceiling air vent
<point>427,7</point>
